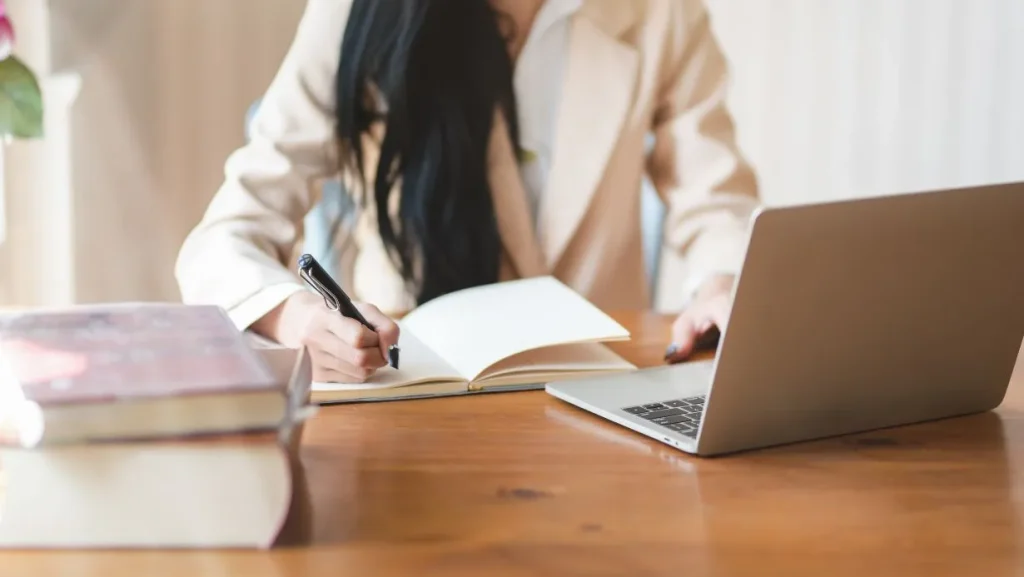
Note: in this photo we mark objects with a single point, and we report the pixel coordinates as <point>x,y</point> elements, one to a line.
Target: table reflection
<point>885,502</point>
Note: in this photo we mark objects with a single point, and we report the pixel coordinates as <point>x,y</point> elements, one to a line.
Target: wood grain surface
<point>520,484</point>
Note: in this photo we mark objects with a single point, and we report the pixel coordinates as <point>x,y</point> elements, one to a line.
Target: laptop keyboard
<point>680,416</point>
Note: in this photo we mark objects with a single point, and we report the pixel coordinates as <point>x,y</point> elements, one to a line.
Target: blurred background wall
<point>163,86</point>
<point>834,98</point>
<point>840,98</point>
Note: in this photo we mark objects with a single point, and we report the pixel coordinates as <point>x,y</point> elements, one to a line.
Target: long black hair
<point>435,73</point>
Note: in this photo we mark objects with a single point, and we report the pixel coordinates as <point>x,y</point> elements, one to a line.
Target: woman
<point>508,139</point>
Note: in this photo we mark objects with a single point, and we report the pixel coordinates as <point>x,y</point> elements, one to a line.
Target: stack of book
<point>145,425</point>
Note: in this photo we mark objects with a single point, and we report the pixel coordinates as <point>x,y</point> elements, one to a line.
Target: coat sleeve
<point>709,189</point>
<point>237,256</point>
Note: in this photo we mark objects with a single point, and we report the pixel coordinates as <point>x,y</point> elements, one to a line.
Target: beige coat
<point>635,67</point>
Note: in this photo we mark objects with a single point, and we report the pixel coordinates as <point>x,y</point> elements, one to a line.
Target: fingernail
<point>671,351</point>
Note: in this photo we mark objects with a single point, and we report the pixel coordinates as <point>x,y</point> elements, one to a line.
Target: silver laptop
<point>847,316</point>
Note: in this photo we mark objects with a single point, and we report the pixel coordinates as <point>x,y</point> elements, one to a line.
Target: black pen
<point>336,299</point>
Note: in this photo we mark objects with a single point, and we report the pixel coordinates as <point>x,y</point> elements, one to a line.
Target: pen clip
<point>330,300</point>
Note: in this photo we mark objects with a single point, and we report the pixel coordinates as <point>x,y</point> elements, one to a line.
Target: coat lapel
<point>600,81</point>
<point>513,213</point>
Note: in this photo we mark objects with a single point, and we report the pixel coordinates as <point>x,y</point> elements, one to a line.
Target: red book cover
<point>111,353</point>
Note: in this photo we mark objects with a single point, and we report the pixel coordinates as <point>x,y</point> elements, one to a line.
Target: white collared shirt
<point>538,79</point>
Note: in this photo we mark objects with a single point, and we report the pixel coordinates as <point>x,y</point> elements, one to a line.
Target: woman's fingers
<point>698,321</point>
<point>387,329</point>
<point>357,349</point>
<point>716,312</point>
<point>342,349</point>
<point>351,332</point>
<point>694,327</point>
<point>684,334</point>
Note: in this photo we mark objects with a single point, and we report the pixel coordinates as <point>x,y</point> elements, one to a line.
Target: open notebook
<point>506,336</point>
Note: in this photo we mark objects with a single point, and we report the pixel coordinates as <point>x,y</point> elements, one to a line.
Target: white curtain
<point>841,98</point>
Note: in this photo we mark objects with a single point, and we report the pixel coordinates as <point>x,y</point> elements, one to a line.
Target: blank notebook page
<point>478,327</point>
<point>418,364</point>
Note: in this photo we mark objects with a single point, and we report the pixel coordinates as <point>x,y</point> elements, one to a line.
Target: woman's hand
<point>710,309</point>
<point>341,349</point>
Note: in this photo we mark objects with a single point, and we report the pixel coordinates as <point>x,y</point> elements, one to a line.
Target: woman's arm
<point>709,189</point>
<point>236,256</point>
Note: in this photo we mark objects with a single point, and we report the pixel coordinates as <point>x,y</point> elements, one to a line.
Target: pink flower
<point>6,33</point>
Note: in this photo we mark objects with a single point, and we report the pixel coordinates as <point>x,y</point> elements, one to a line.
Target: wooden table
<point>520,484</point>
